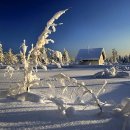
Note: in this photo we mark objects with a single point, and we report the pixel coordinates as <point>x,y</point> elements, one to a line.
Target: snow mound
<point>111,73</point>
<point>26,96</point>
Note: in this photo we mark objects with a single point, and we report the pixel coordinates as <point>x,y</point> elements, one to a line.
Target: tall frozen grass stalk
<point>31,59</point>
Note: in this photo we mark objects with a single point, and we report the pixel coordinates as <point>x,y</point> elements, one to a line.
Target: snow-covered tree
<point>66,57</point>
<point>57,55</point>
<point>120,59</point>
<point>44,57</point>
<point>31,59</point>
<point>10,58</point>
<point>1,54</point>
<point>129,57</point>
<point>126,59</point>
<point>114,55</point>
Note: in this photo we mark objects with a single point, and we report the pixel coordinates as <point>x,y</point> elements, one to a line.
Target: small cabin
<point>91,56</point>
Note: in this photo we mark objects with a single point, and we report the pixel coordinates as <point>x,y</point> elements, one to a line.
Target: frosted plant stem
<point>93,95</point>
<point>102,88</point>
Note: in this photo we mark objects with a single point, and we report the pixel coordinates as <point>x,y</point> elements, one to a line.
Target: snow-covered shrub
<point>64,78</point>
<point>106,73</point>
<point>111,73</point>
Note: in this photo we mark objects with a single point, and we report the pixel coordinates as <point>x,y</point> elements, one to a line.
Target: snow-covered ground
<point>31,115</point>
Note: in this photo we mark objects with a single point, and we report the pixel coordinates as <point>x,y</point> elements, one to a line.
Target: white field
<point>40,116</point>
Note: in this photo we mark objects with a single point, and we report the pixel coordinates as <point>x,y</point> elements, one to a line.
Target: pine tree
<point>1,54</point>
<point>66,57</point>
<point>120,59</point>
<point>10,58</point>
<point>114,55</point>
<point>129,57</point>
<point>126,59</point>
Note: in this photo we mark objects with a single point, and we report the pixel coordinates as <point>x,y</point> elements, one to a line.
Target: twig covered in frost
<point>94,96</point>
<point>102,88</point>
<point>62,78</point>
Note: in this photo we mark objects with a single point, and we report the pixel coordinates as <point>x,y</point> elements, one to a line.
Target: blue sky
<point>88,23</point>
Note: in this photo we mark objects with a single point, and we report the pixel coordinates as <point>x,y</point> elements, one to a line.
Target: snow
<point>111,73</point>
<point>38,114</point>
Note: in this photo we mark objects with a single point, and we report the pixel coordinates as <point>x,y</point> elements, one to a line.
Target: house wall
<point>90,62</point>
<point>101,60</point>
<point>93,62</point>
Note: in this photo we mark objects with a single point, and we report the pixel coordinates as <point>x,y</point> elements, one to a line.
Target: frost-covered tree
<point>125,59</point>
<point>120,59</point>
<point>66,57</point>
<point>1,54</point>
<point>10,58</point>
<point>114,55</point>
<point>129,57</point>
<point>57,55</point>
<point>44,57</point>
<point>31,58</point>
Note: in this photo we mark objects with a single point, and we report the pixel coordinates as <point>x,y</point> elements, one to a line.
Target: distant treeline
<point>118,58</point>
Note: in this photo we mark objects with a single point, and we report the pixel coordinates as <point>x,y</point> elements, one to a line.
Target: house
<point>91,56</point>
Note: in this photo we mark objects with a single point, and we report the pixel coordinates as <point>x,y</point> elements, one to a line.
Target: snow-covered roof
<point>90,54</point>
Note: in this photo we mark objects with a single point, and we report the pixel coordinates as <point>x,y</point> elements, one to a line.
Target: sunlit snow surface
<point>30,115</point>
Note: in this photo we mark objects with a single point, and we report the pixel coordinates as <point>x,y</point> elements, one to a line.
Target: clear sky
<point>88,23</point>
